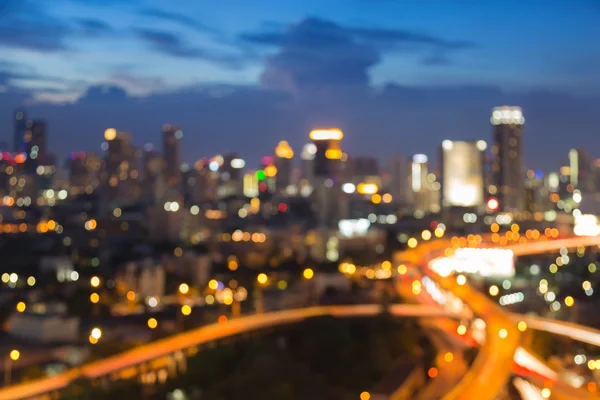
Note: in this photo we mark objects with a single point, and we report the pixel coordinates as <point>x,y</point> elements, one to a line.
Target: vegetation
<point>322,358</point>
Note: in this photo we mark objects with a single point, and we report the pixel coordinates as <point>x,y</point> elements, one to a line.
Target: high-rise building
<point>172,153</point>
<point>35,145</point>
<point>19,133</point>
<point>362,168</point>
<point>78,172</point>
<point>120,179</point>
<point>152,171</point>
<point>283,163</point>
<point>462,173</point>
<point>419,184</point>
<point>308,162</point>
<point>328,152</point>
<point>327,174</point>
<point>399,168</point>
<point>580,170</point>
<point>507,153</point>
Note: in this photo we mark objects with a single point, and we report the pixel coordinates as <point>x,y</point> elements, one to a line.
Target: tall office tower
<point>399,169</point>
<point>172,154</point>
<point>152,174</point>
<point>419,186</point>
<point>78,172</point>
<point>507,152</point>
<point>462,173</point>
<point>121,172</point>
<point>19,133</point>
<point>328,152</point>
<point>363,168</point>
<point>34,145</point>
<point>308,162</point>
<point>327,169</point>
<point>283,163</point>
<point>231,168</point>
<point>580,169</point>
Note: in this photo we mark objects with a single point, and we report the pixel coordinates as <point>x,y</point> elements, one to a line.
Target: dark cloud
<point>322,33</point>
<point>93,26</point>
<point>317,52</point>
<point>171,44</point>
<point>394,37</point>
<point>25,24</point>
<point>177,18</point>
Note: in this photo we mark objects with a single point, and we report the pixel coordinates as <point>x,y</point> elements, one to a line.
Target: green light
<point>260,175</point>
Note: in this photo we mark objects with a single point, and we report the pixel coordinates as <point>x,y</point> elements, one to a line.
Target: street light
<point>184,288</point>
<point>12,357</point>
<point>95,281</point>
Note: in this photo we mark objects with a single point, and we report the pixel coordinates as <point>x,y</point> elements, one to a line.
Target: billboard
<point>462,174</point>
<point>353,227</point>
<point>484,262</point>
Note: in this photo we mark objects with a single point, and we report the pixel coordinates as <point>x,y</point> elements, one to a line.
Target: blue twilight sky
<point>239,75</point>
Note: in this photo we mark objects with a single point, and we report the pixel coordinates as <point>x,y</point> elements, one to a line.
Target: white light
<point>238,163</point>
<point>74,276</point>
<point>167,206</point>
<point>577,197</point>
<point>13,278</point>
<point>420,158</point>
<point>586,225</point>
<point>485,262</point>
<point>353,227</point>
<point>62,194</point>
<point>507,115</point>
<point>447,145</point>
<point>348,188</point>
<point>96,333</point>
<point>579,359</point>
<point>194,210</point>
<point>308,151</point>
<point>178,134</point>
<point>174,206</point>
<point>534,269</point>
<point>481,145</point>
<point>213,166</point>
<point>152,302</point>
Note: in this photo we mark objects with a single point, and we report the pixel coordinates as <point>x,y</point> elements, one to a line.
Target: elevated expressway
<point>484,380</point>
<point>156,354</point>
<point>494,363</point>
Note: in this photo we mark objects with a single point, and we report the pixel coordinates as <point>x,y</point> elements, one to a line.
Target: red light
<point>267,160</point>
<point>20,158</point>
<point>262,187</point>
<point>282,207</point>
<point>492,204</point>
<point>433,224</point>
<point>222,319</point>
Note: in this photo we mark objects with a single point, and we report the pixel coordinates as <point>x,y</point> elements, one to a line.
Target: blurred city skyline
<point>397,77</point>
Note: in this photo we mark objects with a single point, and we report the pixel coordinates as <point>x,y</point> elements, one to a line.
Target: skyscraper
<point>462,173</point>
<point>283,163</point>
<point>121,166</point>
<point>419,172</point>
<point>328,152</point>
<point>34,145</point>
<point>20,128</point>
<point>507,153</point>
<point>172,153</point>
<point>399,168</point>
<point>580,169</point>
